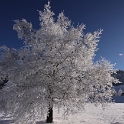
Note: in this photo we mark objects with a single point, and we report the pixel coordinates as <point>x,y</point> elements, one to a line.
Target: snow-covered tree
<point>114,92</point>
<point>54,68</point>
<point>120,92</point>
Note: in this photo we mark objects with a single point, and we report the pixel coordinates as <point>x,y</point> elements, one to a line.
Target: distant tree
<point>120,92</point>
<point>54,68</point>
<point>114,92</point>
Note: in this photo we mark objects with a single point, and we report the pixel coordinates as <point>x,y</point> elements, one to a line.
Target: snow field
<point>112,114</point>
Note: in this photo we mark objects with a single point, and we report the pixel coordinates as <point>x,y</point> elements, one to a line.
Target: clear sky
<point>105,14</point>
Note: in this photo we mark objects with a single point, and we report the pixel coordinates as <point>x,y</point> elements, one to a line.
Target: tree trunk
<point>50,115</point>
<point>50,107</point>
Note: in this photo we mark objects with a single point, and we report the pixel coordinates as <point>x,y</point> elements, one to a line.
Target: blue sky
<point>95,14</point>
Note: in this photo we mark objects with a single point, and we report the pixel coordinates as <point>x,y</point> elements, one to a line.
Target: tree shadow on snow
<point>41,122</point>
<point>6,121</point>
<point>116,123</point>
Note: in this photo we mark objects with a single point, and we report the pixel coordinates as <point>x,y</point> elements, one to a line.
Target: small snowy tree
<point>120,92</point>
<point>114,92</point>
<point>54,68</point>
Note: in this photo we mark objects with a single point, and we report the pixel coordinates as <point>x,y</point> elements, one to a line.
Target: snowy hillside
<point>113,114</point>
<point>120,76</point>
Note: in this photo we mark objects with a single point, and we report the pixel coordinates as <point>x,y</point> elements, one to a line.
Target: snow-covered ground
<point>113,114</point>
